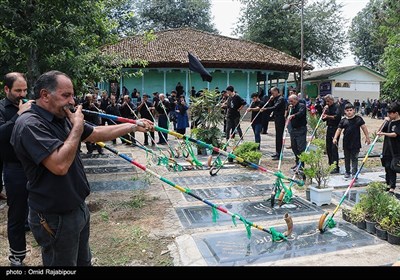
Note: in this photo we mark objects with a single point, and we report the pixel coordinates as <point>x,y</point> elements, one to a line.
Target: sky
<point>227,12</point>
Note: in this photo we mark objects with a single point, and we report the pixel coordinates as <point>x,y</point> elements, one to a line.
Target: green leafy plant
<point>205,111</point>
<point>312,121</point>
<point>248,151</point>
<point>316,166</point>
<point>357,214</point>
<point>375,201</point>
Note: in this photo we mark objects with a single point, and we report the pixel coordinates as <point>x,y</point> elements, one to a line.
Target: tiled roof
<point>171,47</point>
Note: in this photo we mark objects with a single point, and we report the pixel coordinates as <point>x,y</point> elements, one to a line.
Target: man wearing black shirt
<point>145,109</point>
<point>256,117</point>
<point>298,119</point>
<point>113,109</point>
<point>46,140</point>
<point>278,106</point>
<point>332,117</point>
<point>15,180</point>
<point>234,104</point>
<point>162,109</point>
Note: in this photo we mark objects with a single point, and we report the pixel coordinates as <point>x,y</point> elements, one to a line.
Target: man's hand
<point>76,118</point>
<point>24,106</point>
<point>144,125</point>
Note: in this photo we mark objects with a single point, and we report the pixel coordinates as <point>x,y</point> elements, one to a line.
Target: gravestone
<point>234,248</point>
<point>201,216</point>
<point>99,186</point>
<point>224,192</point>
<point>224,178</point>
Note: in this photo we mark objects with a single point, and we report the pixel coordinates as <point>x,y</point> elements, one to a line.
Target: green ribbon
<point>276,235</point>
<point>191,153</point>
<point>247,225</point>
<point>215,214</point>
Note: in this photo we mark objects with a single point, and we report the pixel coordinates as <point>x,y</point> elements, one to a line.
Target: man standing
<point>46,140</point>
<point>332,116</point>
<point>278,107</point>
<point>234,104</point>
<point>298,134</point>
<point>256,117</point>
<point>11,108</point>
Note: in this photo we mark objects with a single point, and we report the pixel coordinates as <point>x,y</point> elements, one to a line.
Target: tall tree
<point>367,43</point>
<point>391,29</point>
<point>266,22</point>
<point>164,14</point>
<point>39,35</point>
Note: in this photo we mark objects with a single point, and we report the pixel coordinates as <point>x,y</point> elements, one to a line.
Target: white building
<point>350,82</point>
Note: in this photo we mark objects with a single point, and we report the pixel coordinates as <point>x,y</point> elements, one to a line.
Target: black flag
<point>196,66</point>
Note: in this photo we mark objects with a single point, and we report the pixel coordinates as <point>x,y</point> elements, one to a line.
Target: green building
<point>246,65</point>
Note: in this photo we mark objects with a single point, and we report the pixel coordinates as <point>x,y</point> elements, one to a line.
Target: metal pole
<point>302,49</point>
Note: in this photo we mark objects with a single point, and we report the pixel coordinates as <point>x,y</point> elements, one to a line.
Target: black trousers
<point>390,176</point>
<point>162,122</point>
<point>332,149</point>
<point>17,201</point>
<point>279,128</point>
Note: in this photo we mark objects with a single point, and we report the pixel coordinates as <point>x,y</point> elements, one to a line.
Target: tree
<point>367,43</point>
<point>265,21</point>
<point>37,36</point>
<point>391,28</point>
<point>164,14</point>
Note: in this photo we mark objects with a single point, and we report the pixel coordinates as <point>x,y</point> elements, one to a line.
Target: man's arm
<point>60,160</point>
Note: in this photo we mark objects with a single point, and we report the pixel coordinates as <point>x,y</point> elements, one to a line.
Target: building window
<point>346,85</point>
<point>338,85</point>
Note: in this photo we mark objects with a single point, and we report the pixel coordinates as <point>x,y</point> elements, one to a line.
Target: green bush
<point>248,151</point>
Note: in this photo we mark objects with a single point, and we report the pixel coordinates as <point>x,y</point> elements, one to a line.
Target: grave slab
<point>223,178</point>
<point>99,186</point>
<point>235,249</point>
<point>201,216</point>
<point>225,192</point>
<point>109,169</point>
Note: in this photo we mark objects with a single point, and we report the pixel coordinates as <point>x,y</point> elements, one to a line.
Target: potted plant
<point>317,170</point>
<point>374,202</point>
<point>206,113</point>
<point>248,151</point>
<point>357,216</point>
<point>393,232</point>
<point>382,227</point>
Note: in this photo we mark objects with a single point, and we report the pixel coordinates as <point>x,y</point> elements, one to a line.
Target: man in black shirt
<point>332,117</point>
<point>162,109</point>
<point>278,106</point>
<point>15,180</point>
<point>234,104</point>
<point>113,109</point>
<point>145,109</point>
<point>46,140</point>
<point>298,134</point>
<point>256,117</point>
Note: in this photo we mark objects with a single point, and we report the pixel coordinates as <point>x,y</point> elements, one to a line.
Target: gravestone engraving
<point>224,192</point>
<point>233,248</point>
<point>99,186</point>
<point>109,169</point>
<point>201,216</point>
<point>224,178</point>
